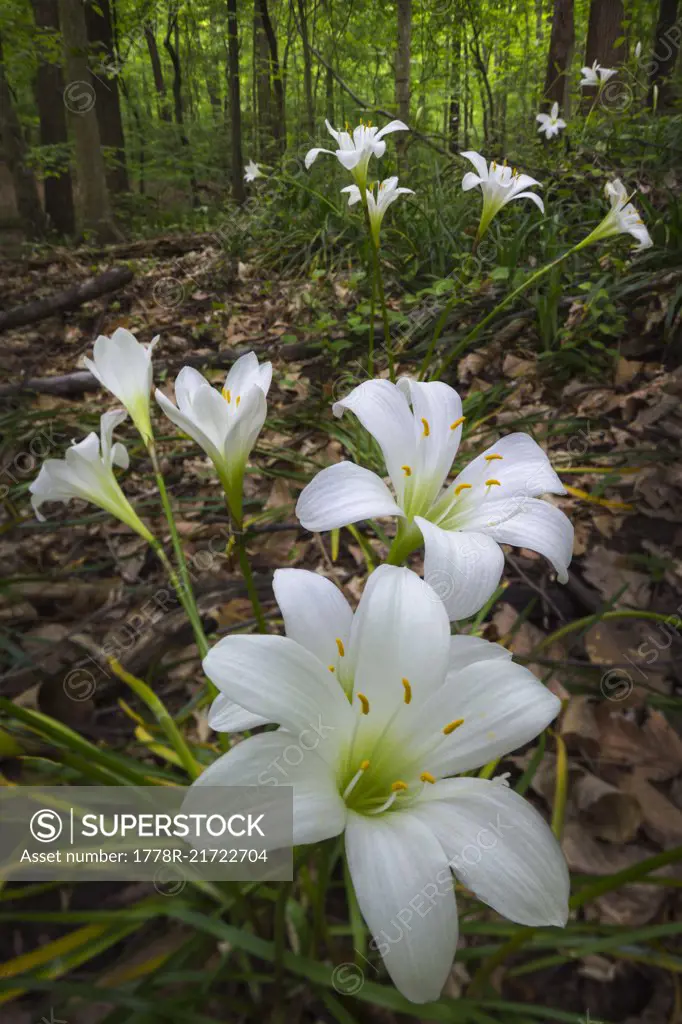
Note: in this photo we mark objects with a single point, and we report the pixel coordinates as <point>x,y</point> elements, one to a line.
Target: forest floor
<point>78,587</point>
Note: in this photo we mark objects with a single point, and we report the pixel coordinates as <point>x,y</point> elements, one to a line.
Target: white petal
<point>543,528</point>
<point>542,119</point>
<point>530,195</point>
<point>503,706</point>
<point>500,848</point>
<point>383,410</point>
<point>463,567</point>
<point>349,158</point>
<point>312,155</point>
<point>436,406</point>
<point>524,471</point>
<point>478,161</point>
<point>226,716</point>
<point>471,180</point>
<point>315,613</point>
<point>278,759</point>
<point>404,888</point>
<point>468,650</point>
<point>244,374</point>
<point>282,681</point>
<point>108,423</point>
<point>392,126</point>
<point>400,631</point>
<point>190,427</point>
<point>341,494</point>
<point>353,194</point>
<point>245,425</point>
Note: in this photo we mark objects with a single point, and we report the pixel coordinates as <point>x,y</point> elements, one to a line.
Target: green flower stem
<point>245,566</point>
<point>373,299</point>
<point>459,348</point>
<point>183,585</point>
<point>407,539</point>
<point>379,284</point>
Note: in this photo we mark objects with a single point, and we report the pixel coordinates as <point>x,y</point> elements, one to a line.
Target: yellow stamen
<point>331,668</point>
<point>427,777</point>
<point>339,646</point>
<point>407,470</point>
<point>461,487</point>
<point>457,423</point>
<point>398,786</point>
<point>408,690</point>
<point>452,726</point>
<point>364,765</point>
<point>493,483</point>
<point>227,395</point>
<point>491,458</point>
<point>239,398</point>
<point>427,428</point>
<point>365,703</point>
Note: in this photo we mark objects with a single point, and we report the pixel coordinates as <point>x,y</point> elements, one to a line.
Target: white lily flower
<point>551,124</point>
<point>252,171</point>
<point>622,218</point>
<point>387,193</point>
<point>356,150</point>
<point>499,185</point>
<point>225,424</point>
<point>372,759</point>
<point>87,472</point>
<point>124,366</point>
<point>638,50</point>
<point>596,76</point>
<point>493,501</point>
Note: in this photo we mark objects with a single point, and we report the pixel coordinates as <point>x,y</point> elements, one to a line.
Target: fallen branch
<point>72,298</point>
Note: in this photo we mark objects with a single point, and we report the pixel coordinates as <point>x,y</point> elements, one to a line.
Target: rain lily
<point>493,501</point>
<point>597,76</point>
<point>499,185</point>
<point>387,193</point>
<point>124,366</point>
<point>355,150</point>
<point>373,758</point>
<point>622,218</point>
<point>225,424</point>
<point>87,472</point>
<point>551,124</point>
<point>638,51</point>
<point>253,171</point>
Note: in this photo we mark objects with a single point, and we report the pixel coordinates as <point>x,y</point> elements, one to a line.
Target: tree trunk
<point>276,78</point>
<point>157,71</point>
<point>561,45</point>
<point>238,187</point>
<point>79,97</point>
<point>15,153</point>
<point>172,45</point>
<point>666,51</point>
<point>455,78</point>
<point>604,28</point>
<point>402,66</point>
<point>307,68</point>
<point>262,91</point>
<point>107,68</point>
<point>57,186</point>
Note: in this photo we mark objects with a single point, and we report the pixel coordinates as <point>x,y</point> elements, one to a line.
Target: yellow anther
<point>331,668</point>
<point>365,703</point>
<point>461,487</point>
<point>457,423</point>
<point>239,398</point>
<point>226,394</point>
<point>491,458</point>
<point>427,777</point>
<point>427,428</point>
<point>453,725</point>
<point>398,786</point>
<point>493,483</point>
<point>408,690</point>
<point>407,470</point>
<point>339,646</point>
<point>364,766</point>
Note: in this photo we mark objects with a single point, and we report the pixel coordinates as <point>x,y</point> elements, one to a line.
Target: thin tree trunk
<point>402,66</point>
<point>79,96</point>
<point>307,68</point>
<point>455,78</point>
<point>604,29</point>
<point>561,45</point>
<point>172,48</point>
<point>238,188</point>
<point>57,187</point>
<point>99,24</point>
<point>666,51</point>
<point>157,71</point>
<point>262,91</point>
<point>15,153</point>
<point>276,78</point>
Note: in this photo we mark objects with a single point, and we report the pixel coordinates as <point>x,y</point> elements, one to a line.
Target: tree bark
<point>455,79</point>
<point>402,66</point>
<point>307,68</point>
<point>16,155</point>
<point>237,163</point>
<point>262,90</point>
<point>172,45</point>
<point>107,67</point>
<point>157,71</point>
<point>604,28</point>
<point>276,78</point>
<point>79,97</point>
<point>57,184</point>
<point>561,44</point>
<point>667,41</point>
